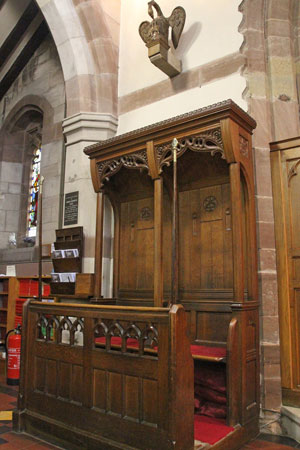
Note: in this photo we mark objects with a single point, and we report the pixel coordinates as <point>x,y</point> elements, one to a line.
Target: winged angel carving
<point>155,34</point>
<point>159,27</point>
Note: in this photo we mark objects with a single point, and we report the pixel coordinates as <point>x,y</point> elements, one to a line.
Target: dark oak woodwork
<point>129,391</point>
<point>285,164</point>
<point>216,264</point>
<point>78,393</point>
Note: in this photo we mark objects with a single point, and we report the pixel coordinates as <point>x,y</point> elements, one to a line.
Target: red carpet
<point>196,350</point>
<point>203,350</point>
<point>210,430</point>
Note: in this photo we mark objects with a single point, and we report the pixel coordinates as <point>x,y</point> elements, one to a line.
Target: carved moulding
<point>107,169</point>
<point>210,141</point>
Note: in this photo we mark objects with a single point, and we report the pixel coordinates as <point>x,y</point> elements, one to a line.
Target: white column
<point>81,130</point>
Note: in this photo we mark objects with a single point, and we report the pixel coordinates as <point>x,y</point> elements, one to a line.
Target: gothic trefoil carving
<point>210,141</point>
<point>155,34</point>
<point>134,161</point>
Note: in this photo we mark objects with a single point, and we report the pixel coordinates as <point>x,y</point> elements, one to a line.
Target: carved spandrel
<point>210,141</point>
<point>293,170</point>
<point>107,169</point>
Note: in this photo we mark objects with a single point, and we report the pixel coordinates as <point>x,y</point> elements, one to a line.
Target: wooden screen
<point>98,396</point>
<point>285,158</point>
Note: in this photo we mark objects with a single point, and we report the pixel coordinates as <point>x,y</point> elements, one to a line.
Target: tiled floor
<point>9,439</point>
<point>271,442</point>
<point>14,441</point>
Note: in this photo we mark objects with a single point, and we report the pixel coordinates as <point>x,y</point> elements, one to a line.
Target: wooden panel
<point>64,378</point>
<point>144,258</point>
<point>212,327</point>
<point>286,187</point>
<point>77,384</point>
<point>51,378</point>
<point>167,234</point>
<point>131,386</point>
<point>251,377</point>
<point>99,389</point>
<point>150,401</point>
<point>146,367</point>
<point>126,273</point>
<point>205,238</point>
<point>227,237</point>
<point>39,373</point>
<point>115,393</point>
<point>293,167</point>
<point>251,389</point>
<point>136,245</point>
<point>185,242</point>
<point>296,326</point>
<point>296,269</point>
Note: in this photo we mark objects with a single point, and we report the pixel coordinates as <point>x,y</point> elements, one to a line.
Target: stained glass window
<point>34,193</point>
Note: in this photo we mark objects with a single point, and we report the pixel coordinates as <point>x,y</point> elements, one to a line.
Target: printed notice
<point>71,208</point>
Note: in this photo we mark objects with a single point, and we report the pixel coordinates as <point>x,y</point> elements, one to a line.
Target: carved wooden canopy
<point>220,128</point>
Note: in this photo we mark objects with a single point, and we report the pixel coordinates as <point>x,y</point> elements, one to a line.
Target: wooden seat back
<point>78,392</point>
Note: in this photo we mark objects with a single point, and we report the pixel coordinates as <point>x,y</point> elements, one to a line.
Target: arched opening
<point>21,145</point>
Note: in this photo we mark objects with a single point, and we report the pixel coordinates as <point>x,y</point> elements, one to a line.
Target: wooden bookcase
<point>13,293</point>
<point>67,238</point>
<point>8,293</point>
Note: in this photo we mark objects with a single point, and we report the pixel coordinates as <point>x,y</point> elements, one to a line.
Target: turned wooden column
<point>175,231</point>
<point>237,231</point>
<point>158,242</point>
<point>98,247</point>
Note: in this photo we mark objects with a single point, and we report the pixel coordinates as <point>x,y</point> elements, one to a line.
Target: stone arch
<point>29,123</point>
<point>85,37</point>
<point>26,103</point>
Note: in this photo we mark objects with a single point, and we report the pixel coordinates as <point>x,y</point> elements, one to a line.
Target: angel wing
<point>144,30</point>
<point>176,22</point>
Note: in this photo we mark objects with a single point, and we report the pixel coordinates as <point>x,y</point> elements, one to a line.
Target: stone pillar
<point>81,130</point>
<point>259,108</point>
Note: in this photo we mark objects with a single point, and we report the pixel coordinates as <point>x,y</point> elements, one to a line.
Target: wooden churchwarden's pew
<point>200,192</point>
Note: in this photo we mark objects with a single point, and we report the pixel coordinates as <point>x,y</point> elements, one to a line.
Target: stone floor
<point>14,441</point>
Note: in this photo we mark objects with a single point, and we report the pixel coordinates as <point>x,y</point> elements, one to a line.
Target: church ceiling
<point>22,29</point>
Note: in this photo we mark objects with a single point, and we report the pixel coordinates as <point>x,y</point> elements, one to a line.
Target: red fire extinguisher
<point>13,352</point>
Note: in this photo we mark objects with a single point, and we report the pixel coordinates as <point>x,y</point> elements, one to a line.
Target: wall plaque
<point>71,208</point>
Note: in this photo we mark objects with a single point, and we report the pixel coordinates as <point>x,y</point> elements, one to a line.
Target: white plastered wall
<point>210,32</point>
